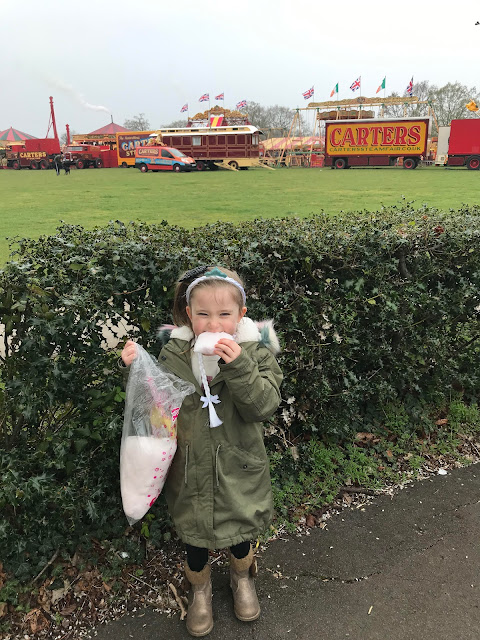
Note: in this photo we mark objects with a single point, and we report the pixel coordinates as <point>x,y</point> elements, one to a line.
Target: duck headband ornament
<point>214,274</point>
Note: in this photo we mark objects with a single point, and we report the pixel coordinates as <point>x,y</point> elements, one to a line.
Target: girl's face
<point>214,309</point>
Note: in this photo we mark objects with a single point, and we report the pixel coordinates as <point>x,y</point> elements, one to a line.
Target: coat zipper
<point>186,463</point>
<point>216,465</point>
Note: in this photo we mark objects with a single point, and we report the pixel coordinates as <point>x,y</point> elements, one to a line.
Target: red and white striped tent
<point>298,143</point>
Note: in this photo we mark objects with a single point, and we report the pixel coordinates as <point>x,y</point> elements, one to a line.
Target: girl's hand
<point>227,349</point>
<point>129,352</point>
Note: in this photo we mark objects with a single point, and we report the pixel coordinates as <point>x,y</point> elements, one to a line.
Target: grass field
<point>34,202</point>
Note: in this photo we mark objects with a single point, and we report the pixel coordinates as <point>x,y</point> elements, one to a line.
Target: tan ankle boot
<point>242,573</point>
<point>199,615</point>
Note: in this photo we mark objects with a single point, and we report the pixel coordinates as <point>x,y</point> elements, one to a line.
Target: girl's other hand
<point>227,349</point>
<point>129,352</point>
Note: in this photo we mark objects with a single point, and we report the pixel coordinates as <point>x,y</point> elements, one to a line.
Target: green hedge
<point>371,308</point>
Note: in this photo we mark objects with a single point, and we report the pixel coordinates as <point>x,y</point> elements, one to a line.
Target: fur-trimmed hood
<point>247,331</point>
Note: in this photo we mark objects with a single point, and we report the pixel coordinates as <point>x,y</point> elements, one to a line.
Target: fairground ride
<point>353,108</point>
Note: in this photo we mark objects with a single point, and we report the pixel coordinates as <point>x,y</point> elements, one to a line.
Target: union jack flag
<point>241,104</point>
<point>409,89</point>
<point>184,108</point>
<point>204,98</point>
<point>308,94</point>
<point>356,85</point>
<point>220,96</point>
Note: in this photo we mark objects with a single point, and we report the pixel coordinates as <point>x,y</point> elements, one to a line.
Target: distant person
<point>58,163</point>
<point>66,166</point>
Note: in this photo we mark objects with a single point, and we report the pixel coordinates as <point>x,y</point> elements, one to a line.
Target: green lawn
<point>34,202</point>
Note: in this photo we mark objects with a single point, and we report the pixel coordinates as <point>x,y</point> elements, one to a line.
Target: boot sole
<point>255,617</point>
<point>200,635</point>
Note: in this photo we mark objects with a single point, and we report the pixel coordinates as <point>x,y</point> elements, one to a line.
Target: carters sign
<point>376,137</point>
<point>33,155</point>
<point>147,151</point>
<point>128,142</point>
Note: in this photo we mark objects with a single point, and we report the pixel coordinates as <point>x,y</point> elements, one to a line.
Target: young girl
<point>218,488</point>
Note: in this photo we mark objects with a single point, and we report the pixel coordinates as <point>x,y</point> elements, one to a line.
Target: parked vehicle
<point>85,155</point>
<point>162,158</point>
<point>463,139</point>
<point>37,153</point>
<point>375,143</point>
<point>232,147</point>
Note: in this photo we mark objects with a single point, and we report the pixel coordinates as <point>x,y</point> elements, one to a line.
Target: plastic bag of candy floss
<point>149,438</point>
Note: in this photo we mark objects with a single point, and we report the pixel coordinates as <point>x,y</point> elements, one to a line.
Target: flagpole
<point>359,104</point>
<point>384,90</point>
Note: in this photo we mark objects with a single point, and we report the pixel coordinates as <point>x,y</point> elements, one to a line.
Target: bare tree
<point>279,116</point>
<point>448,102</point>
<point>176,124</point>
<point>137,123</point>
<point>63,137</point>
<point>257,115</point>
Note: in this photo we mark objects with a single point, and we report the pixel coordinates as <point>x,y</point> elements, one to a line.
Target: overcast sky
<point>123,57</point>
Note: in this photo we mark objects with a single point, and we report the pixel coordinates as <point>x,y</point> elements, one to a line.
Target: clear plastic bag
<point>149,438</point>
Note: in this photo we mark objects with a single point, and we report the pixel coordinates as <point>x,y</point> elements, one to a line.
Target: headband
<point>215,274</point>
<point>193,273</point>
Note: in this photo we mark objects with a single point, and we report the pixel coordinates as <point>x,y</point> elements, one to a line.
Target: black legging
<point>197,557</point>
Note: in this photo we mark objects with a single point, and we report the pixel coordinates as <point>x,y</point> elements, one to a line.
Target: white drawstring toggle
<point>213,399</point>
<point>208,399</point>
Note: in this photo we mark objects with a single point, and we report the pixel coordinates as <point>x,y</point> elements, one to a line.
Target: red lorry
<point>375,143</point>
<point>464,143</point>
<point>90,155</point>
<point>37,153</point>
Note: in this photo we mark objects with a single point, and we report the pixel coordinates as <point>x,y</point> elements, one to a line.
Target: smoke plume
<point>75,95</point>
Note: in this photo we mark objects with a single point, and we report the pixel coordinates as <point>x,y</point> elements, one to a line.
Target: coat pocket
<point>243,499</point>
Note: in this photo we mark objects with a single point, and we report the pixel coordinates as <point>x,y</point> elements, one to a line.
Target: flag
<point>308,93</point>
<point>241,104</point>
<point>220,96</point>
<point>204,98</point>
<point>409,89</point>
<point>382,86</point>
<point>355,85</point>
<point>184,108</point>
<point>334,90</point>
<point>216,120</point>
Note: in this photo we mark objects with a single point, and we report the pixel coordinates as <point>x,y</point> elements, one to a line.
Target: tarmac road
<point>401,568</point>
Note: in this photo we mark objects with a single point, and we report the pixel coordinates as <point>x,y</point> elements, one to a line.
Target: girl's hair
<point>180,316</point>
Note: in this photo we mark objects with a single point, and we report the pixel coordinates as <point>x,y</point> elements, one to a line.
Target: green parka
<point>218,488</point>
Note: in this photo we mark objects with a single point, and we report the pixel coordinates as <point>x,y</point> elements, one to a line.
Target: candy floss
<point>149,438</point>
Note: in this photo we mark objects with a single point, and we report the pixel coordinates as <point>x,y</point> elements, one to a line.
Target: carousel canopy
<point>14,135</point>
<point>110,128</point>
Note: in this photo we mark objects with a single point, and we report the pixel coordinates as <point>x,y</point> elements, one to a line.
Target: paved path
<point>401,568</point>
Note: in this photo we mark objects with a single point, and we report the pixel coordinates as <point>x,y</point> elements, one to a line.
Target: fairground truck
<point>459,144</point>
<point>37,153</point>
<point>376,143</point>
<point>83,156</point>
